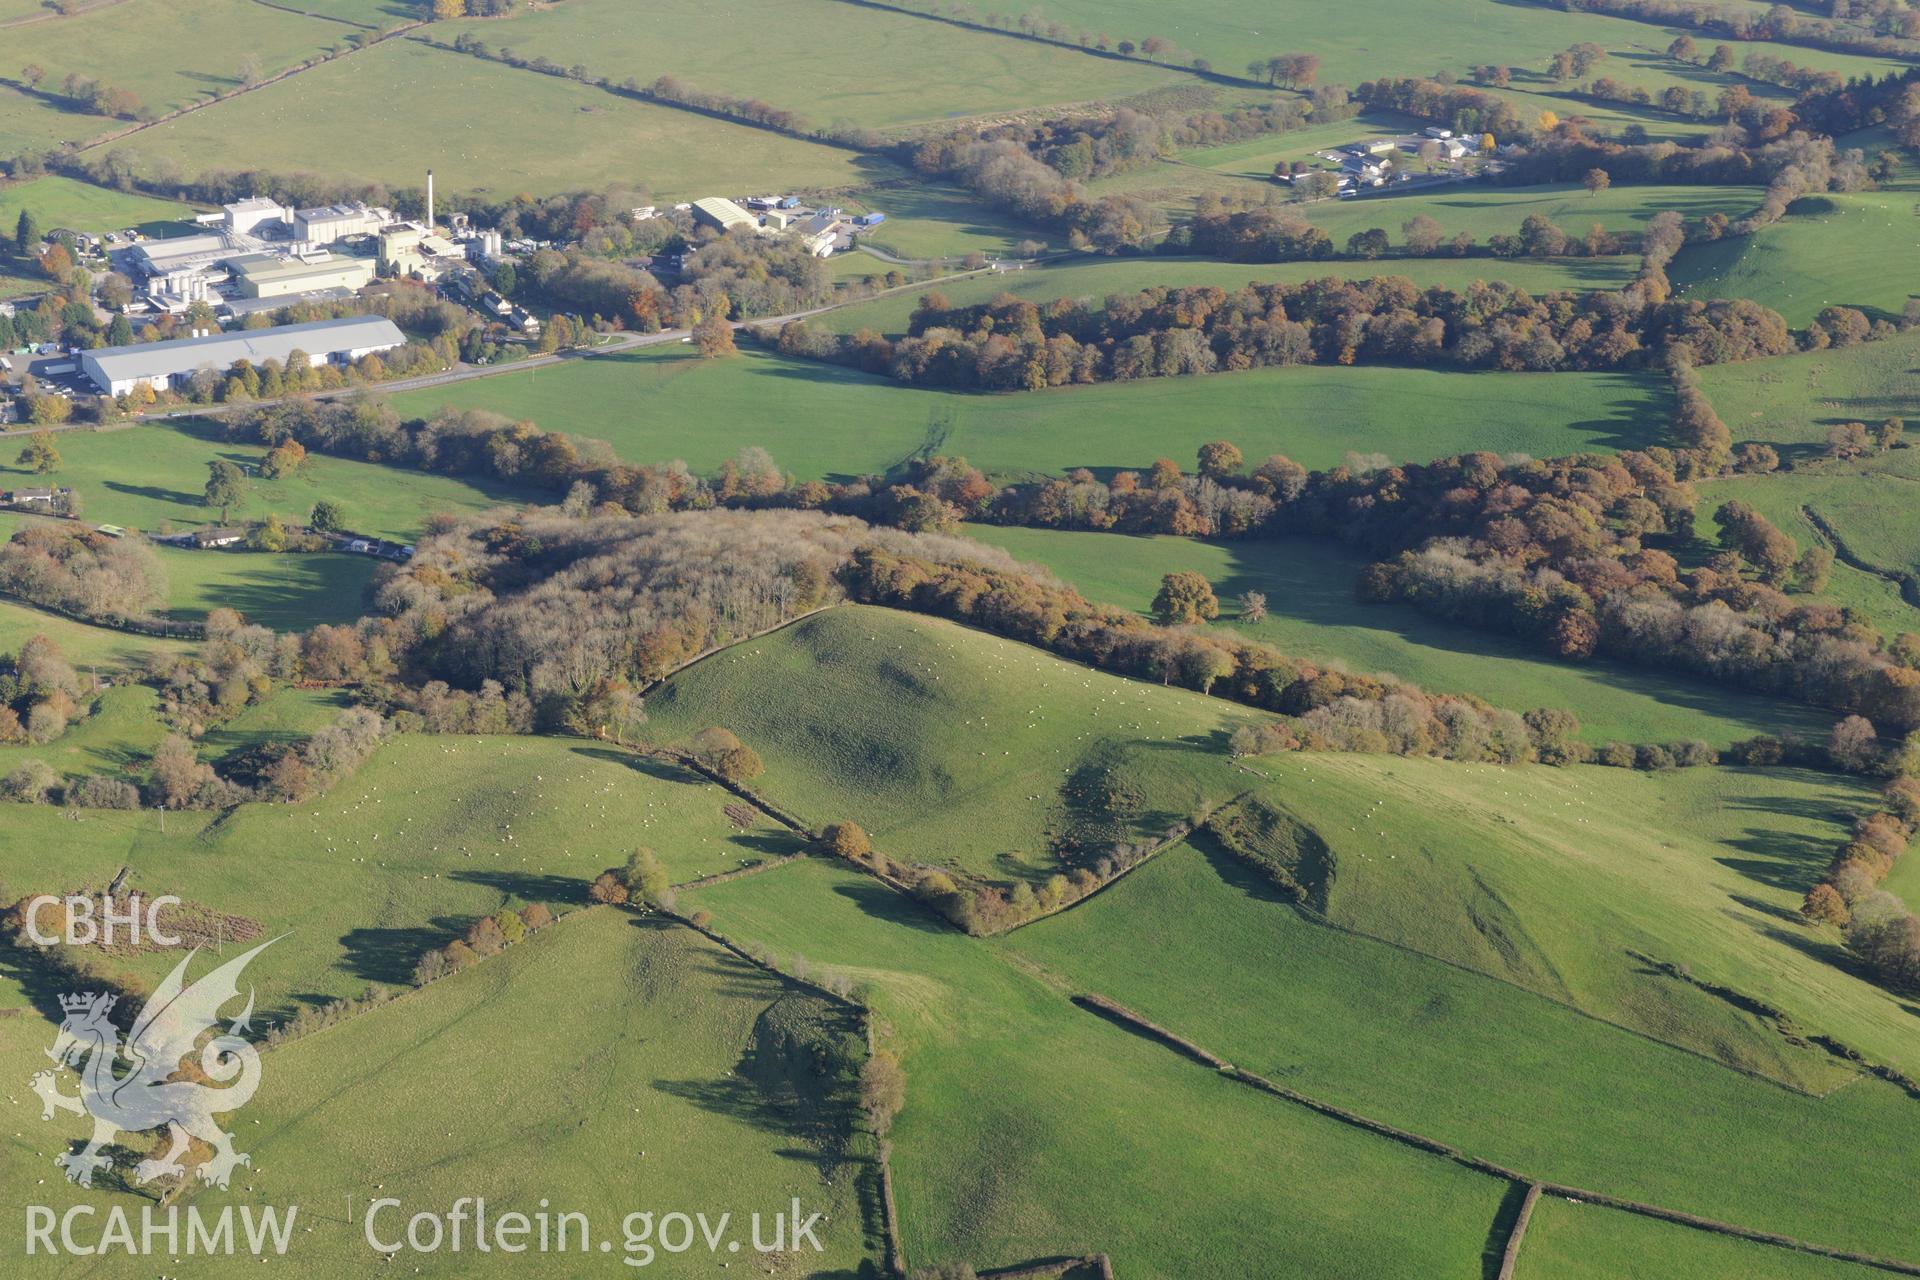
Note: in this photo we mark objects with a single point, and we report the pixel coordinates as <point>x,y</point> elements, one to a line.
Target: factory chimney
<point>429,201</point>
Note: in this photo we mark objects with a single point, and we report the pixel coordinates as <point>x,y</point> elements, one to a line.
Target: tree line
<point>1010,343</point>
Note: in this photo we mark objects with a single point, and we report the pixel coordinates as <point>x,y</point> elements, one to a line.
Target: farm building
<point>268,275</point>
<point>32,497</point>
<point>722,214</point>
<point>118,370</point>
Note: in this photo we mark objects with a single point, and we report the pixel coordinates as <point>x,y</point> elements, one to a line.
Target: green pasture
<point>99,646</point>
<point>172,55</point>
<point>815,57</point>
<point>606,1066</point>
<point>288,592</point>
<point>80,206</point>
<point>327,117</point>
<point>152,476</point>
<point>1567,1241</point>
<point>826,420</point>
<point>1871,504</point>
<point>1018,1102</point>
<point>430,834</point>
<point>1793,400</point>
<point>1312,614</point>
<point>951,746</point>
<point>1860,250</point>
<point>1405,37</point>
<point>117,737</point>
<point>1195,942</point>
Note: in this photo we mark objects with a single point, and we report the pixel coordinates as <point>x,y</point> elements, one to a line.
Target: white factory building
<point>161,365</point>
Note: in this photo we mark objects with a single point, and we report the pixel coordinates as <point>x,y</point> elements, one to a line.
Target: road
<point>614,345</point>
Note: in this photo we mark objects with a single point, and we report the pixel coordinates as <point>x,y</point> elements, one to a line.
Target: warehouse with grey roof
<point>161,365</point>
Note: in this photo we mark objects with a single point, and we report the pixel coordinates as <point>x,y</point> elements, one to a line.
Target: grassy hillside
<point>817,58</point>
<point>1583,868</point>
<point>1794,399</point>
<point>1582,1242</point>
<point>170,55</point>
<point>606,1066</point>
<point>1417,38</point>
<point>826,420</point>
<point>1195,942</point>
<point>152,475</point>
<point>61,202</point>
<point>1312,613</point>
<point>327,114</point>
<point>1870,504</point>
<point>950,745</point>
<point>1018,1103</point>
<point>1859,250</point>
<point>82,644</point>
<point>431,833</point>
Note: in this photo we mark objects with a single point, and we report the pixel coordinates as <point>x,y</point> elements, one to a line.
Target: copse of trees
<point>41,694</point>
<point>76,570</point>
<point>487,936</point>
<point>1010,343</point>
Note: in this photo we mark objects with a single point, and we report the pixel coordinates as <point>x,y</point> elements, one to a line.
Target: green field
<point>286,592</point>
<point>122,732</point>
<point>664,1077</point>
<point>1018,1103</point>
<point>326,116</point>
<point>822,419</point>
<point>1794,399</point>
<point>1870,503</point>
<point>151,477</point>
<point>430,834</point>
<point>1401,38</point>
<point>819,59</point>
<point>171,55</point>
<point>1312,614</point>
<point>1096,278</point>
<point>1858,250</point>
<point>1194,942</point>
<point>983,753</point>
<point>79,206</point>
<point>108,649</point>
<point>931,220</point>
<point>1583,1242</point>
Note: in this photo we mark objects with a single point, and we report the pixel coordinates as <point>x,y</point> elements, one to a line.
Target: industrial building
<point>162,365</point>
<point>253,216</point>
<point>268,275</point>
<point>723,214</point>
<point>410,249</point>
<point>329,224</point>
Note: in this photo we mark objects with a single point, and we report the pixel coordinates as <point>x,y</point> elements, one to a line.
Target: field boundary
<point>1510,1259</point>
<point>1111,55</point>
<point>1139,1024</point>
<point>1907,583</point>
<point>118,135</point>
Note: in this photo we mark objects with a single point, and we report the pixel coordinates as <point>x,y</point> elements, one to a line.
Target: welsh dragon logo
<point>149,1096</point>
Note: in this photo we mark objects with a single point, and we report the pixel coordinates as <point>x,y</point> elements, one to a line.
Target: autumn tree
<point>644,877</point>
<point>713,337</point>
<point>40,456</point>
<point>1185,598</point>
<point>1219,459</point>
<point>845,840</point>
<point>226,485</point>
<point>1596,181</point>
<point>883,1090</point>
<point>1253,606</point>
